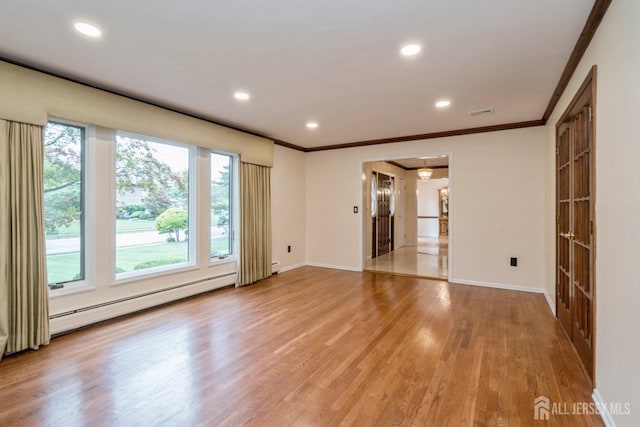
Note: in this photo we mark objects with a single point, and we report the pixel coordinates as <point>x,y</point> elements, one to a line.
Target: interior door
<point>399,214</point>
<point>574,226</point>
<point>563,227</point>
<point>384,215</point>
<point>580,237</point>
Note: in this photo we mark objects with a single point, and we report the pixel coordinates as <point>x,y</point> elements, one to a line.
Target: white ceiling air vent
<point>481,112</point>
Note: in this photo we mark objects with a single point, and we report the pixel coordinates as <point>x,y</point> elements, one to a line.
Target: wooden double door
<point>383,220</point>
<point>575,222</point>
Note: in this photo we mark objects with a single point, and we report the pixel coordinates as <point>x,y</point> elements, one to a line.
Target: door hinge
<point>590,114</point>
<point>557,150</point>
<point>590,227</point>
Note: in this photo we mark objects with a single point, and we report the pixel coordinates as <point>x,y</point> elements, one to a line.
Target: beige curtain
<point>255,224</point>
<point>24,301</point>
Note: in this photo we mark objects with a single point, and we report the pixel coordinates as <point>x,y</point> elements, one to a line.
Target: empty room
<point>319,213</point>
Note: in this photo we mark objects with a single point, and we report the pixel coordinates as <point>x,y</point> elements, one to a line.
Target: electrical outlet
<point>514,262</point>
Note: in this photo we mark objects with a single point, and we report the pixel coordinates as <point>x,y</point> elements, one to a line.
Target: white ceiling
<point>334,61</point>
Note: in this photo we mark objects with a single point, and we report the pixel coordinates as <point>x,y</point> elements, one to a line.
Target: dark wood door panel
<point>575,222</point>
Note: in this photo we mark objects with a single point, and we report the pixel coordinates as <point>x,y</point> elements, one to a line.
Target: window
<point>64,202</point>
<point>152,205</point>
<point>221,205</point>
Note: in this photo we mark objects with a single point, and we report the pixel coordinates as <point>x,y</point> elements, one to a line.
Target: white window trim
<point>191,263</point>
<point>234,180</point>
<point>72,288</point>
<point>88,178</point>
<point>149,273</point>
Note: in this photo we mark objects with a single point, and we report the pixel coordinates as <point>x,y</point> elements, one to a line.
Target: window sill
<point>150,273</point>
<point>71,288</point>
<point>216,261</point>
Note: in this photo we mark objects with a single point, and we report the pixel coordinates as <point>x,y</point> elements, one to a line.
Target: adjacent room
<point>408,203</point>
<point>319,213</point>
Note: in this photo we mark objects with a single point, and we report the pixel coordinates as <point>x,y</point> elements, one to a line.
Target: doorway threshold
<point>417,276</point>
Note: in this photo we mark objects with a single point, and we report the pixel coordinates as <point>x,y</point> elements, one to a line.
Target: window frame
<point>82,283</point>
<point>233,208</point>
<point>192,254</point>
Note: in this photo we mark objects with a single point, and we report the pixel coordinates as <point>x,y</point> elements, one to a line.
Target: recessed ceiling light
<point>87,29</point>
<point>241,96</point>
<point>410,49</point>
<point>443,104</point>
<point>312,125</point>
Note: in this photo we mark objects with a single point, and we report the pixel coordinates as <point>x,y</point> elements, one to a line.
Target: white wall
<point>428,201</point>
<point>615,50</point>
<point>497,204</point>
<point>288,207</point>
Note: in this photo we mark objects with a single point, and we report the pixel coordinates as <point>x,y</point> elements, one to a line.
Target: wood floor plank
<point>308,347</point>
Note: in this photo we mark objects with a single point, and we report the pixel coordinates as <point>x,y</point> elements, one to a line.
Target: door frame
<point>363,189</point>
<point>587,88</point>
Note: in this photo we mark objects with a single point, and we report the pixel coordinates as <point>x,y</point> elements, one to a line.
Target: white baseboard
<point>604,413</point>
<point>275,267</point>
<point>552,306</point>
<point>335,267</point>
<point>292,267</point>
<point>93,315</point>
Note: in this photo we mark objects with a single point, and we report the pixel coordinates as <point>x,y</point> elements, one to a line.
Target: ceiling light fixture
<point>410,49</point>
<point>241,96</point>
<point>87,29</point>
<point>425,173</point>
<point>443,104</point>
<point>312,125</point>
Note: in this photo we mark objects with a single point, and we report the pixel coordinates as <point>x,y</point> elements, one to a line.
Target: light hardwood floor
<point>429,259</point>
<point>308,347</point>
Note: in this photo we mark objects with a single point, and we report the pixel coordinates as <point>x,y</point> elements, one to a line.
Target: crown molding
<point>444,134</point>
<point>593,22</point>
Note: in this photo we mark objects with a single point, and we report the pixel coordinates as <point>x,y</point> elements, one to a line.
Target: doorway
<point>575,221</point>
<point>396,196</point>
<point>433,222</point>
